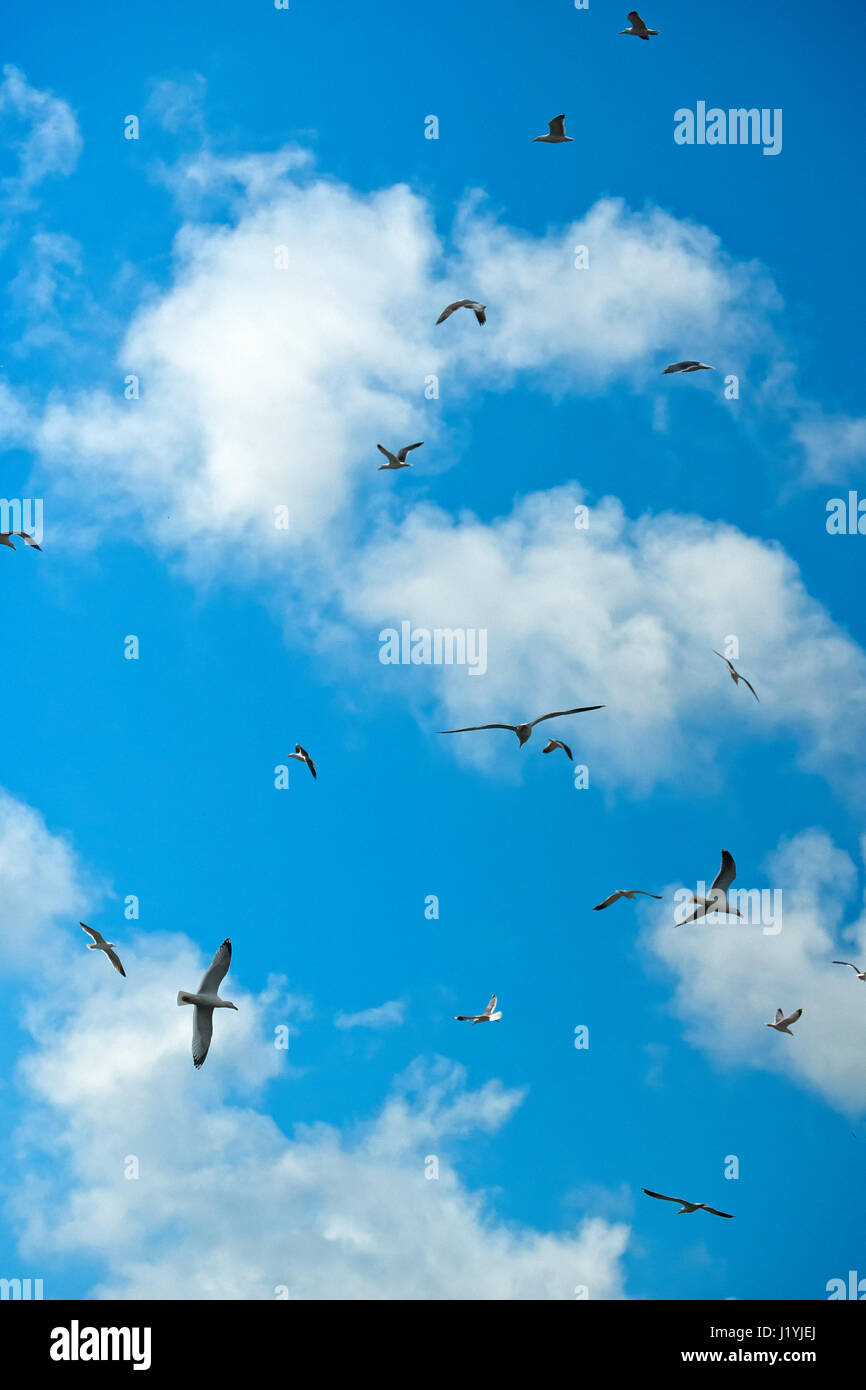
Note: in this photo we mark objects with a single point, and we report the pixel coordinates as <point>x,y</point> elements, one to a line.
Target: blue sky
<point>155,777</point>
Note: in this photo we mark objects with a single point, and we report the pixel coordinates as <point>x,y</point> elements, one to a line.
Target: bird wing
<point>718,1213</point>
<point>28,540</point>
<point>727,873</point>
<point>792,1018</point>
<point>306,757</point>
<point>725,659</point>
<point>557,125</point>
<point>558,713</point>
<point>91,931</point>
<point>614,897</point>
<point>116,963</point>
<point>202,1032</point>
<point>387,452</point>
<point>637,22</point>
<point>407,449</point>
<point>446,313</point>
<point>480,314</point>
<point>676,367</point>
<point>699,911</point>
<point>216,972</point>
<point>662,1198</point>
<point>847,962</point>
<point>473,728</point>
<point>491,1006</point>
<point>749,684</point>
<point>645,894</point>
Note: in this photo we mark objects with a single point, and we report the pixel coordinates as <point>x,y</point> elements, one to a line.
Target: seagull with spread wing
<point>687,1208</point>
<point>625,893</point>
<point>735,675</point>
<point>487,1017</point>
<point>477,309</point>
<point>638,28</point>
<point>718,899</point>
<point>687,367</point>
<point>554,743</point>
<point>555,133</point>
<point>6,539</point>
<point>303,757</point>
<point>523,731</point>
<point>781,1022</point>
<point>99,943</point>
<point>206,1000</point>
<point>861,974</point>
<point>397,460</point>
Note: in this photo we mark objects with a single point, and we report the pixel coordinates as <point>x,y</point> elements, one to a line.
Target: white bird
<point>477,309</point>
<point>523,731</point>
<point>735,675</point>
<point>687,367</point>
<point>487,1017</point>
<point>397,460</point>
<point>638,28</point>
<point>718,899</point>
<point>303,757</point>
<point>100,944</point>
<point>6,539</point>
<point>206,1000</point>
<point>555,133</point>
<point>861,974</point>
<point>781,1023</point>
<point>554,743</point>
<point>687,1208</point>
<point>625,893</point>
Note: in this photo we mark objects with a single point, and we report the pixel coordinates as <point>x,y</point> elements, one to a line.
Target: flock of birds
<point>207,998</point>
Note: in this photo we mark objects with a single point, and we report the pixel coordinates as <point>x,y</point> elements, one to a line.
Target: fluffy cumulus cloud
<point>301,332</point>
<point>224,1204</point>
<point>730,977</point>
<point>623,613</point>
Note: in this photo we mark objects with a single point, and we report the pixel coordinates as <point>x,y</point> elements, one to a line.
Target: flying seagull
<point>523,731</point>
<point>477,309</point>
<point>638,28</point>
<point>687,367</point>
<point>206,1000</point>
<point>555,133</point>
<point>686,1208</point>
<point>735,675</point>
<point>6,539</point>
<point>625,893</point>
<point>861,974</point>
<point>397,460</point>
<point>554,743</point>
<point>781,1023</point>
<point>718,899</point>
<point>100,944</point>
<point>487,1017</point>
<point>303,757</point>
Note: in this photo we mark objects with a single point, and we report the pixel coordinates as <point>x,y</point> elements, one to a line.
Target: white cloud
<point>264,387</point>
<point>388,1015</point>
<point>49,141</point>
<point>327,1214</point>
<point>730,977</point>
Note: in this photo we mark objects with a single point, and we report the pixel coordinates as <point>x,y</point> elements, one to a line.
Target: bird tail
<point>183,997</point>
